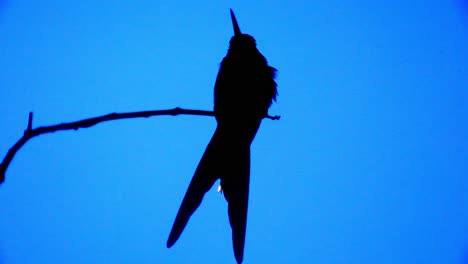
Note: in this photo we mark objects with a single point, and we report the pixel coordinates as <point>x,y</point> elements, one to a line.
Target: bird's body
<point>244,90</point>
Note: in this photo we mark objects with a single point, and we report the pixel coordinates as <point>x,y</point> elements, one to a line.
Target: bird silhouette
<point>244,90</point>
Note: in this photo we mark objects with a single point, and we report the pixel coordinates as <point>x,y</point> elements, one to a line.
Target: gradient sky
<point>369,163</point>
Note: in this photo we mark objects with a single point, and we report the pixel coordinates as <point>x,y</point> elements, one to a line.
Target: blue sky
<point>368,164</point>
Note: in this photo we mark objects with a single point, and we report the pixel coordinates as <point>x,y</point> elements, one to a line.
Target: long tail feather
<point>236,191</point>
<point>202,181</point>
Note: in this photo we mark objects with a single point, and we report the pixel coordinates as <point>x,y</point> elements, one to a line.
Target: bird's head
<point>239,40</point>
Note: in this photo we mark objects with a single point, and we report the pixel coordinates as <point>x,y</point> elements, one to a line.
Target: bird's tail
<point>235,183</point>
<point>203,179</point>
<point>227,156</point>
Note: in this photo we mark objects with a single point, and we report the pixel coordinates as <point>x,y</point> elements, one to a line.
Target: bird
<point>244,90</point>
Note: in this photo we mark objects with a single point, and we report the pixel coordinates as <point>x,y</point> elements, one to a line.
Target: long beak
<point>237,31</point>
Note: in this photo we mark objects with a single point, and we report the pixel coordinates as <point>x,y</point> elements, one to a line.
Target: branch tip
<point>30,119</point>
<point>276,117</point>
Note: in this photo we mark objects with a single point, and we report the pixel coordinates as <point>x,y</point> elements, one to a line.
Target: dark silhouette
<point>244,90</point>
<point>30,132</point>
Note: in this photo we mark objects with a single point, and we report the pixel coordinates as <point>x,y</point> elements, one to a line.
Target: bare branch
<point>85,123</point>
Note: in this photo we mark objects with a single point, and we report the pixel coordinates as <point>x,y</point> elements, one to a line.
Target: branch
<point>85,123</point>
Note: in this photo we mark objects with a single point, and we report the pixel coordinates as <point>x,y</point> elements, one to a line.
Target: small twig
<point>85,123</point>
<point>29,122</point>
